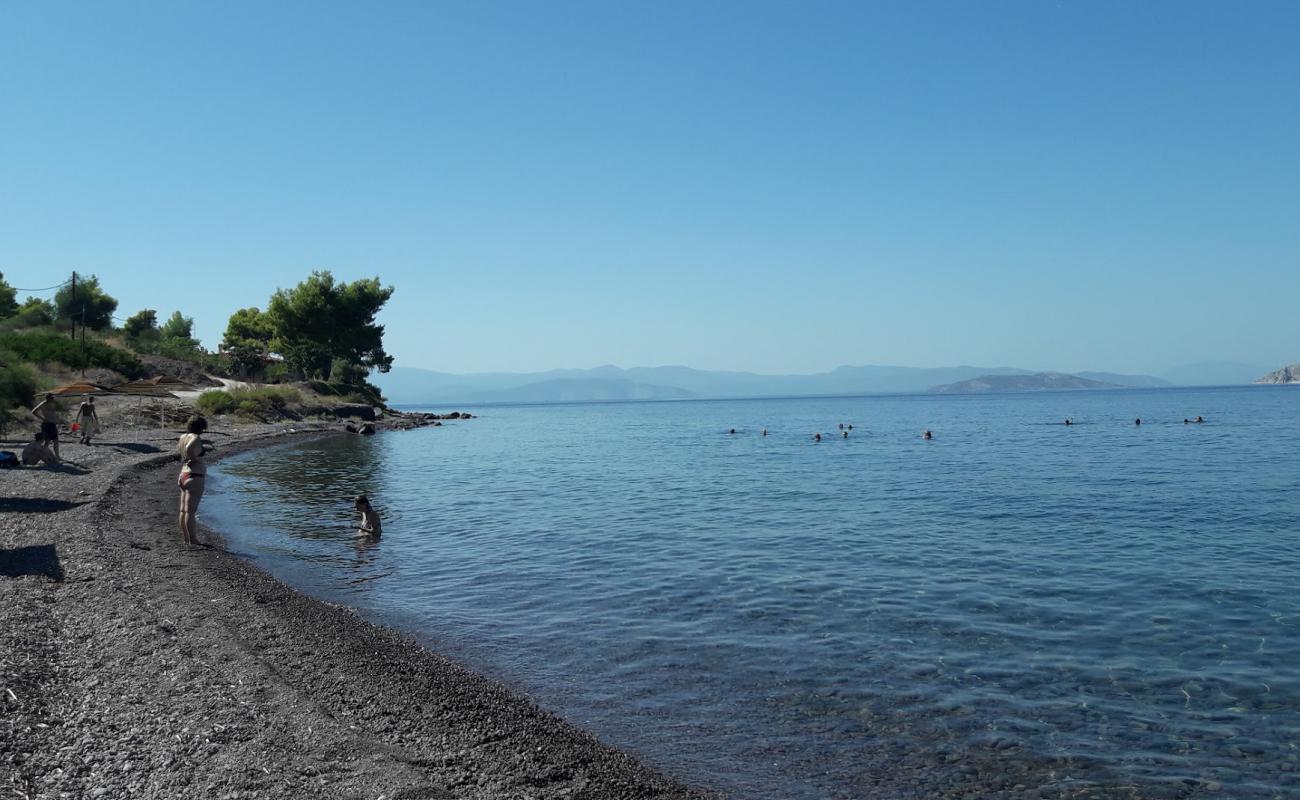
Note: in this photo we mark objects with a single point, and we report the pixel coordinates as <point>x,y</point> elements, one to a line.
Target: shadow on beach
<point>132,447</point>
<point>37,559</point>
<point>36,505</point>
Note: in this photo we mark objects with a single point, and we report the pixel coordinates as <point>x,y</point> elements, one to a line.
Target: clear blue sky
<point>770,187</point>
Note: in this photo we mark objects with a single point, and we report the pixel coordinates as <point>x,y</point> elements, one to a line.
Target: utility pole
<point>74,299</point>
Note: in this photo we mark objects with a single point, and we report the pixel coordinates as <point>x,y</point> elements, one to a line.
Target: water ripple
<point>1016,608</point>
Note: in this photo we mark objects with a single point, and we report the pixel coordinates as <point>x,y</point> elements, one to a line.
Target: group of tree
<point>78,302</point>
<point>321,329</point>
<point>174,338</point>
<point>34,334</point>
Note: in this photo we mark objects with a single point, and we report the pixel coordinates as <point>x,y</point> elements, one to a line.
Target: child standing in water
<point>370,525</point>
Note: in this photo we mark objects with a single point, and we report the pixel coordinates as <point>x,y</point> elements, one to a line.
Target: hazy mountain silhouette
<point>1022,383</point>
<point>410,386</point>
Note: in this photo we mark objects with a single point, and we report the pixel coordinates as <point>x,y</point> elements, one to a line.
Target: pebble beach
<point>132,666</point>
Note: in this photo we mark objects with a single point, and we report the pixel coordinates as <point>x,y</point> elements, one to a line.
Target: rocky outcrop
<point>156,366</point>
<point>1288,374</point>
<point>357,410</point>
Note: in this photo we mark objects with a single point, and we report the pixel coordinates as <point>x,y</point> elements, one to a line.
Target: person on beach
<point>36,452</point>
<point>190,480</point>
<point>87,419</point>
<point>370,525</point>
<point>47,411</point>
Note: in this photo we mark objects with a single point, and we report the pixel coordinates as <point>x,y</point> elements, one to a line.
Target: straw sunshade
<point>79,387</point>
<point>161,386</point>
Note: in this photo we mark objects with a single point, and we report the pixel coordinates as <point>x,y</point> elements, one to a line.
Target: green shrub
<point>44,347</point>
<point>263,403</point>
<point>278,372</point>
<point>217,401</point>
<point>17,385</point>
<point>322,388</point>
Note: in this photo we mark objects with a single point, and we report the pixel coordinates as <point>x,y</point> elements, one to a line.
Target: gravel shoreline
<point>131,666</point>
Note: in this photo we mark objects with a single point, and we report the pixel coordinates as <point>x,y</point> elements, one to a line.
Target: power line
<point>46,289</point>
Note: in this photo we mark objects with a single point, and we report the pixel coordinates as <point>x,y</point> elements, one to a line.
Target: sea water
<point>1014,608</point>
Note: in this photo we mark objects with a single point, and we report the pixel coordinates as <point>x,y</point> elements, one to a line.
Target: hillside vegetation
<point>320,334</point>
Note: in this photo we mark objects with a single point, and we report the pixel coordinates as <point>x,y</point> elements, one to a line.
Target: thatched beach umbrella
<point>148,387</point>
<point>79,387</point>
<point>160,387</point>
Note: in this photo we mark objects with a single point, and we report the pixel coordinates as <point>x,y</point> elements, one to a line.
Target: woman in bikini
<point>192,475</point>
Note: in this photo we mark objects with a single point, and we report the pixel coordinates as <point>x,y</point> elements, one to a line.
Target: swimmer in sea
<point>370,525</point>
<point>1199,420</point>
<point>1137,421</point>
<point>765,431</point>
<point>927,435</point>
<point>1069,421</point>
<point>846,434</point>
<point>733,430</point>
<point>1186,421</point>
<point>817,437</point>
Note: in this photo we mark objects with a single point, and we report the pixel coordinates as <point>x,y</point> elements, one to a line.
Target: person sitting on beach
<point>370,525</point>
<point>36,452</point>
<point>193,474</point>
<point>87,419</point>
<point>47,411</point>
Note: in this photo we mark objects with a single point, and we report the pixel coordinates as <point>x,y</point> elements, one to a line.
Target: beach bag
<point>8,460</point>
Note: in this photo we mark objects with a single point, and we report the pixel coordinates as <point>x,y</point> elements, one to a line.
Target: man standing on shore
<point>88,419</point>
<point>47,411</point>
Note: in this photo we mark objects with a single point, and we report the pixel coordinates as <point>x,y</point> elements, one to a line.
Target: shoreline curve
<point>142,668</point>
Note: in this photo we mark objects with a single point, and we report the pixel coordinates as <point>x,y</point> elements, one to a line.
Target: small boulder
<point>362,412</point>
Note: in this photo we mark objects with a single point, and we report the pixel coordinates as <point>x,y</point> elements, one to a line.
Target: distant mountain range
<point>410,386</point>
<point>1023,383</point>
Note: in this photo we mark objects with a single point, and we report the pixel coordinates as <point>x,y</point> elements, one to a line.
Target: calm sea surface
<point>1016,608</point>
